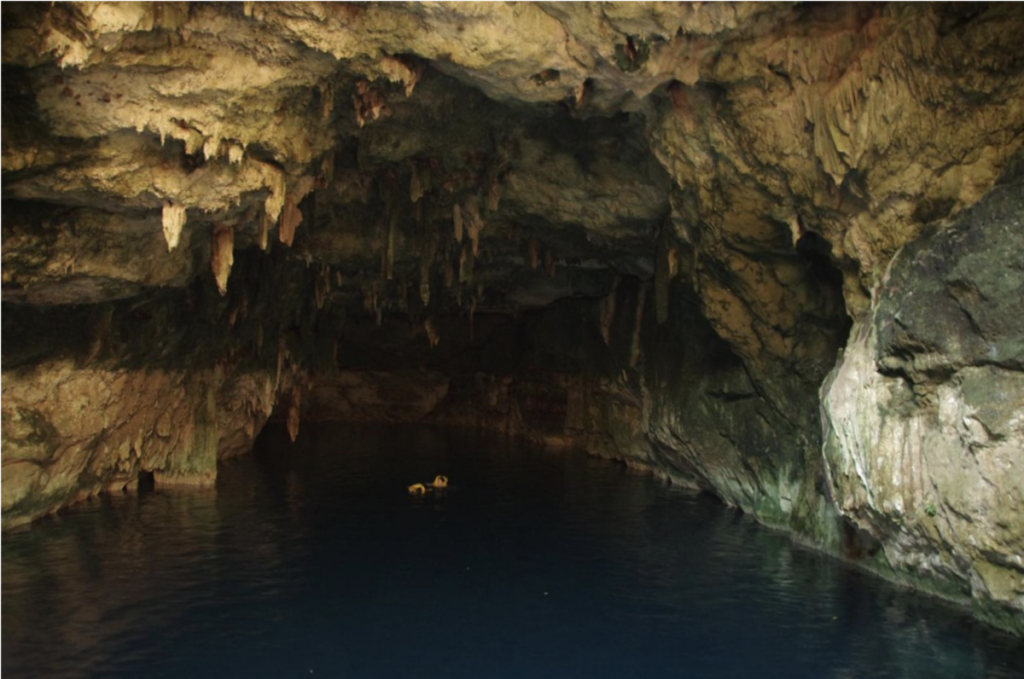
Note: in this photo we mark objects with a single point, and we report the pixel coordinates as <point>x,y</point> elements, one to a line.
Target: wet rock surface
<point>643,229</point>
<point>926,417</point>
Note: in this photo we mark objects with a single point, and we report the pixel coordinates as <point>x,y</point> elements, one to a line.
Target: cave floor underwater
<point>312,559</point>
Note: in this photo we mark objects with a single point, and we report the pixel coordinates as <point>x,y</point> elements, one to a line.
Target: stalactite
<point>282,355</point>
<point>222,255</point>
<point>415,186</point>
<point>173,221</point>
<point>662,276</point>
<point>457,222</point>
<point>493,195</point>
<point>274,180</point>
<point>368,103</point>
<point>249,427</point>
<point>264,233</point>
<point>293,413</point>
<point>425,282</point>
<point>673,261</point>
<point>661,296</point>
<point>534,253</point>
<point>370,300</point>
<point>338,278</point>
<point>389,248</point>
<point>372,303</point>
<point>472,319</point>
<point>238,310</point>
<point>326,100</point>
<point>607,313</point>
<point>402,70</point>
<point>638,323</point>
<point>432,334</point>
<point>211,147</point>
<point>426,175</point>
<point>582,93</point>
<point>291,215</point>
<point>449,272</point>
<point>193,141</point>
<point>403,301</point>
<point>466,264</point>
<point>695,269</point>
<point>549,262</point>
<point>322,286</point>
<point>326,176</point>
<point>474,223</point>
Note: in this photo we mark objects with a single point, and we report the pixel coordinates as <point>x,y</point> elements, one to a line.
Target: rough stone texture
<point>161,383</point>
<point>644,228</point>
<point>851,126</point>
<point>71,432</point>
<point>75,256</point>
<point>671,399</point>
<point>370,396</point>
<point>926,412</point>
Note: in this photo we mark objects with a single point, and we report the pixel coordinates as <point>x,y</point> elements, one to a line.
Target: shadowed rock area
<point>769,251</point>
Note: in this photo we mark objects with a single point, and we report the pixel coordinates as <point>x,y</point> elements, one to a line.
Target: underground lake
<point>312,559</point>
<point>711,313</point>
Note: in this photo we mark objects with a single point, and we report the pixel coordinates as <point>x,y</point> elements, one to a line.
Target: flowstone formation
<point>768,251</point>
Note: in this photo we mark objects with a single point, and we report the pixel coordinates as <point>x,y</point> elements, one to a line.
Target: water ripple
<point>313,557</point>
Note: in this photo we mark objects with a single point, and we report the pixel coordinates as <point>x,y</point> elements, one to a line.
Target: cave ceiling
<point>774,156</point>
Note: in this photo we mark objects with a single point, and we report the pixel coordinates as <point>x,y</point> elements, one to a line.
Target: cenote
<point>312,559</point>
<point>712,313</point>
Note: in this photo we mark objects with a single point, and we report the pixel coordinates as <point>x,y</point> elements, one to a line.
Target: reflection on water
<point>312,557</point>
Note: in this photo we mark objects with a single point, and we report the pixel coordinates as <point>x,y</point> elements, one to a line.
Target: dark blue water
<point>312,560</point>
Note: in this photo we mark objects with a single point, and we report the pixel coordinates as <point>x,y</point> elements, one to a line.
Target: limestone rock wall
<point>165,383</point>
<point>642,228</point>
<point>376,396</point>
<point>673,399</point>
<point>71,432</point>
<point>926,412</point>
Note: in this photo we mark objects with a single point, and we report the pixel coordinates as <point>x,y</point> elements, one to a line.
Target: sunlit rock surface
<point>646,229</point>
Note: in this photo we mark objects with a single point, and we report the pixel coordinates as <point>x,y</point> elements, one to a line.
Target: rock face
<point>70,432</point>
<point>926,411</point>
<point>692,237</point>
<point>164,384</point>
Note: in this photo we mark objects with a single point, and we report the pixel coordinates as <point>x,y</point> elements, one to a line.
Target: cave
<point>768,255</point>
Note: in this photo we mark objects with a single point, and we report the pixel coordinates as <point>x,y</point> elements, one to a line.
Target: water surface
<point>312,559</point>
